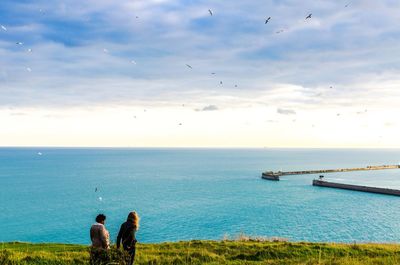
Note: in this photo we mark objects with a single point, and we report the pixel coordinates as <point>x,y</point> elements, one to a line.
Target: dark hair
<point>100,218</point>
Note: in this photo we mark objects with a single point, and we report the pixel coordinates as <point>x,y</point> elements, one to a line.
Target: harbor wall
<point>279,173</point>
<point>323,183</point>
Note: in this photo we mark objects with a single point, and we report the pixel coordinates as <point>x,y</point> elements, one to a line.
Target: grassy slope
<point>212,252</point>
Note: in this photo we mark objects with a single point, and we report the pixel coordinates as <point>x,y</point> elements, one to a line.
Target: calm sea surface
<point>184,194</point>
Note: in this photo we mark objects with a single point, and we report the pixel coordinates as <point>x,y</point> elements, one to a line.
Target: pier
<point>323,183</point>
<point>270,175</point>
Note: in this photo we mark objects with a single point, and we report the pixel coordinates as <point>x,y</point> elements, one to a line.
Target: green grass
<point>212,252</point>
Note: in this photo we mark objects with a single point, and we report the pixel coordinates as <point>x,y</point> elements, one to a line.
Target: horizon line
<point>190,147</point>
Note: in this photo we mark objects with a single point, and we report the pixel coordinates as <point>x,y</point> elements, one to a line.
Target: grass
<point>243,251</point>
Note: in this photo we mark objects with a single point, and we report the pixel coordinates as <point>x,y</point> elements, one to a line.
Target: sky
<point>167,73</point>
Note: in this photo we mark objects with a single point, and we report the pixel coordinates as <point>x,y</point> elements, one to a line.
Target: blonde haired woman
<point>127,235</point>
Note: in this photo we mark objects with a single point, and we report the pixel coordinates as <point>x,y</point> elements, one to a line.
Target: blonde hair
<point>134,217</point>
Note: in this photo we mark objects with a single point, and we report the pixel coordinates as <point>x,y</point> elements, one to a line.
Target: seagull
<point>279,31</point>
<point>39,153</point>
<point>133,62</point>
<point>180,124</point>
<point>213,73</point>
<point>220,82</point>
<point>189,66</point>
<point>347,5</point>
<point>309,16</point>
<point>105,50</point>
<point>4,28</point>
<point>28,69</point>
<point>134,117</point>
<point>95,190</point>
<point>19,43</point>
<point>266,21</point>
<point>29,50</point>
<point>235,85</point>
<point>210,11</point>
<point>100,198</point>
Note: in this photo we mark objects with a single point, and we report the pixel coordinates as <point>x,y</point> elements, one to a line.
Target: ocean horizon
<point>48,194</point>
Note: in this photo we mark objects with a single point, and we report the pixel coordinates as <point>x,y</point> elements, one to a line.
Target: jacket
<point>99,236</point>
<point>127,235</point>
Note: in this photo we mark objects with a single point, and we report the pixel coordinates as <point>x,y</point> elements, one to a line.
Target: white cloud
<point>286,111</point>
<point>208,108</point>
<point>340,59</point>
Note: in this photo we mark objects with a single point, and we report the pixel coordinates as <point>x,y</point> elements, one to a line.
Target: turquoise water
<point>185,194</point>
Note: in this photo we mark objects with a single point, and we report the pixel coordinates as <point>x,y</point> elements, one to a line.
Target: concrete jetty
<point>323,183</point>
<point>270,175</point>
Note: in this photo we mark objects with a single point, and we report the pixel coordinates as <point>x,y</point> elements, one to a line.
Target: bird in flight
<point>309,16</point>
<point>4,28</point>
<point>30,70</point>
<point>19,43</point>
<point>210,11</point>
<point>189,66</point>
<point>267,20</point>
<point>95,190</point>
<point>347,5</point>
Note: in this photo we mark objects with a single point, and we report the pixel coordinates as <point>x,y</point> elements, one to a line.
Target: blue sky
<point>134,53</point>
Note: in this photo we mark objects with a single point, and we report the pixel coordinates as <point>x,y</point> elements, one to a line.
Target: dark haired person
<point>127,235</point>
<point>100,241</point>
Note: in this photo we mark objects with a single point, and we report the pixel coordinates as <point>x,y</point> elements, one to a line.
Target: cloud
<point>286,111</point>
<point>18,114</point>
<point>208,108</point>
<point>69,67</point>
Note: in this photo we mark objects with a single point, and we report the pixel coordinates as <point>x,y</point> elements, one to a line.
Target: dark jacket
<point>126,235</point>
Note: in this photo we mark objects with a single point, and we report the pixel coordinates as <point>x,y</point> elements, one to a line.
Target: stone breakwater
<point>270,175</point>
<point>323,183</point>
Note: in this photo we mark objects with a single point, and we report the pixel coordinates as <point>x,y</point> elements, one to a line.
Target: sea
<point>54,194</point>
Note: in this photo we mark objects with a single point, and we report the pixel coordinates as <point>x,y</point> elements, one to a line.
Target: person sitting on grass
<point>127,235</point>
<point>100,241</point>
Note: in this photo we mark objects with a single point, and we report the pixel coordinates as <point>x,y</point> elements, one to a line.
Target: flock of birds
<point>211,13</point>
<point>266,22</point>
